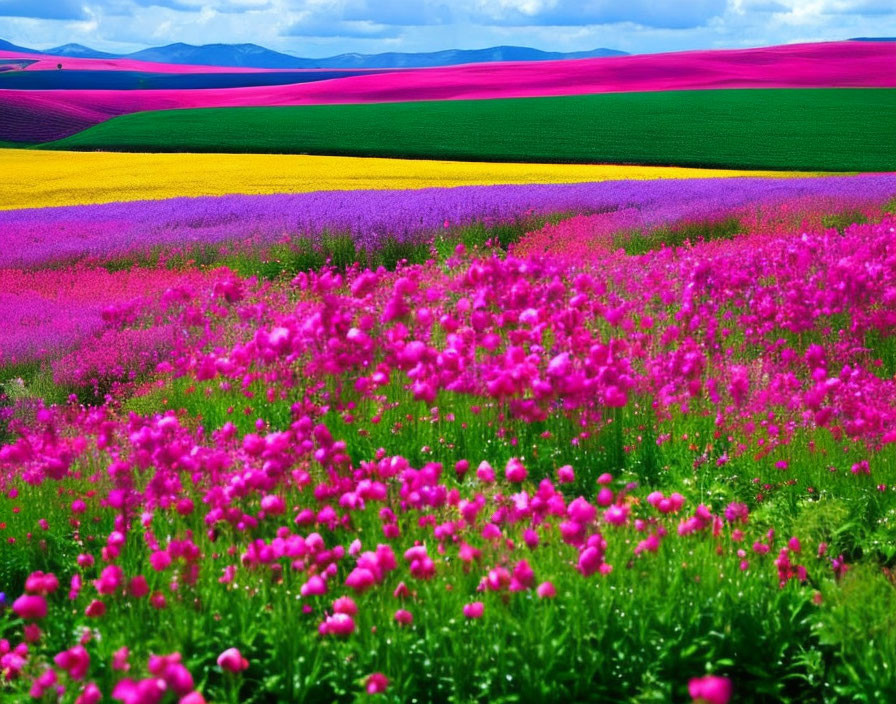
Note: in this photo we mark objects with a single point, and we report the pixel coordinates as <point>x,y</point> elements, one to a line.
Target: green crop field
<point>809,129</point>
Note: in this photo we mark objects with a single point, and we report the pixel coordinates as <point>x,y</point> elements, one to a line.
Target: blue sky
<point>325,27</point>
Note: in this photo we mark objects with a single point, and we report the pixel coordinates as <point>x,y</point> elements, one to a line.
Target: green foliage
<point>678,235</point>
<point>840,221</point>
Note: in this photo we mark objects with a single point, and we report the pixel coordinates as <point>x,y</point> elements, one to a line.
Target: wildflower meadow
<point>411,432</point>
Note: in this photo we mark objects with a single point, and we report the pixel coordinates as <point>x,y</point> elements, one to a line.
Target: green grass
<point>676,235</point>
<point>809,129</point>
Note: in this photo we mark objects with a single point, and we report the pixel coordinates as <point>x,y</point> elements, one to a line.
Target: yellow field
<point>36,179</point>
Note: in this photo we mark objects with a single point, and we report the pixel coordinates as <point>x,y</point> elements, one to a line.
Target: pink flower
<point>546,590</point>
<point>91,694</point>
<point>566,475</point>
<point>580,511</point>
<point>403,617</point>
<point>138,586</point>
<point>273,505</point>
<point>515,471</point>
<point>345,605</point>
<point>474,610</point>
<point>710,690</point>
<point>530,537</point>
<point>360,580</point>
<point>30,607</point>
<point>338,625</point>
<point>159,560</point>
<point>110,580</point>
<point>736,511</point>
<point>95,609</point>
<point>616,515</point>
<point>376,683</point>
<point>75,661</point>
<point>232,661</point>
<point>485,473</point>
<point>41,583</point>
<point>590,561</point>
<point>120,659</point>
<point>193,697</point>
<point>315,586</point>
<point>523,576</point>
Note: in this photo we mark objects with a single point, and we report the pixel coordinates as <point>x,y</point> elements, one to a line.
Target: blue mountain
<point>79,51</point>
<point>254,56</point>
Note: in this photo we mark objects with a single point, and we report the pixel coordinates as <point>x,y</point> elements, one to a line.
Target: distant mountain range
<point>254,56</point>
<point>6,46</point>
<point>79,51</point>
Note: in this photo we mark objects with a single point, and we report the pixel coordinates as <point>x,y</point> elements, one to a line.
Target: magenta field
<point>630,440</point>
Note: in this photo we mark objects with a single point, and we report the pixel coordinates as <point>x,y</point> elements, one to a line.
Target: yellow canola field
<point>37,179</point>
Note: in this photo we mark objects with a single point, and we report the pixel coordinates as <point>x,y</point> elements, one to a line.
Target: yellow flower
<point>46,178</point>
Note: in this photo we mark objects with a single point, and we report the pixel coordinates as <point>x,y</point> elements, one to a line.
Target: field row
<point>45,178</point>
<point>812,129</point>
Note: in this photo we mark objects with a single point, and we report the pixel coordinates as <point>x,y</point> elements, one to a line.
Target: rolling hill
<point>791,129</point>
<point>837,64</point>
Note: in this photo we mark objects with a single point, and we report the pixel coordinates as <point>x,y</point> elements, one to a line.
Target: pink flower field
<point>601,450</point>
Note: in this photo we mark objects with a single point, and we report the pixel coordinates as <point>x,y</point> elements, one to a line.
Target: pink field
<point>832,64</point>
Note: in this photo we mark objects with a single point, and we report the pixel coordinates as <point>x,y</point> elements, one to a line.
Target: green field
<point>807,129</point>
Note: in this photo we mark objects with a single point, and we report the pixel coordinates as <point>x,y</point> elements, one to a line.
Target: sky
<point>317,28</point>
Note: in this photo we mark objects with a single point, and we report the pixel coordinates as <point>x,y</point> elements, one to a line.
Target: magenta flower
<point>95,609</point>
<point>193,697</point>
<point>30,607</point>
<point>376,683</point>
<point>736,512</point>
<point>315,586</point>
<point>120,659</point>
<point>138,587</point>
<point>342,625</point>
<point>515,472</point>
<point>616,515</point>
<point>75,661</point>
<point>566,475</point>
<point>403,617</point>
<point>345,605</point>
<point>474,610</point>
<point>41,583</point>
<point>159,560</point>
<point>580,511</point>
<point>546,590</point>
<point>91,694</point>
<point>231,660</point>
<point>272,504</point>
<point>710,690</point>
<point>485,473</point>
<point>360,580</point>
<point>111,578</point>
